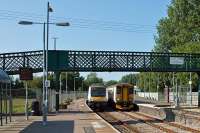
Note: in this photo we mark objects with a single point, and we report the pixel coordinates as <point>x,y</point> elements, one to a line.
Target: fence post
<point>198,89</point>
<point>57,87</point>
<point>1,104</point>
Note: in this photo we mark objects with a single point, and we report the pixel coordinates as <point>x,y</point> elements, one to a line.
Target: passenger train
<point>97,97</point>
<point>120,96</point>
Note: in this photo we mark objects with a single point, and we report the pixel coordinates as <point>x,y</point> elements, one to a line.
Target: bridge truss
<point>100,61</point>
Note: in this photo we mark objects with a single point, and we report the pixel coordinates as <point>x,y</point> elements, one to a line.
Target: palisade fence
<point>36,95</point>
<point>184,96</point>
<point>71,94</point>
<point>63,97</point>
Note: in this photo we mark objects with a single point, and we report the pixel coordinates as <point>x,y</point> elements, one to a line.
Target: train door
<point>119,93</point>
<point>124,94</point>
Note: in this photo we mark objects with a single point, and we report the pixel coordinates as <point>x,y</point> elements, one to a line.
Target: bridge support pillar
<point>57,76</point>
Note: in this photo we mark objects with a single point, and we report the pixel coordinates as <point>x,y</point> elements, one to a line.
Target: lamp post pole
<point>46,76</point>
<point>45,58</point>
<point>74,87</point>
<point>54,40</point>
<point>66,82</point>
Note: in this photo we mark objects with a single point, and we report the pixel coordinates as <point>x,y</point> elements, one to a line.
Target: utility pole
<point>190,83</point>
<point>74,88</point>
<point>66,82</point>
<point>55,39</point>
<point>60,91</point>
<point>82,85</point>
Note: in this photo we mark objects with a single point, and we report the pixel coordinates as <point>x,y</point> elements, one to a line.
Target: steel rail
<point>118,124</point>
<point>150,123</point>
<point>171,124</point>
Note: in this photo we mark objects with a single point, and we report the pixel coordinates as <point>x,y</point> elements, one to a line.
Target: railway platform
<point>78,118</point>
<point>185,115</point>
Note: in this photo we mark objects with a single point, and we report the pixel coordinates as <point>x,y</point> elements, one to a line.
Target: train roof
<point>121,84</point>
<point>98,85</point>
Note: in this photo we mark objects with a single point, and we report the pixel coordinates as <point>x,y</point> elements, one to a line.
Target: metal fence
<point>185,98</point>
<point>5,103</point>
<point>73,95</point>
<point>63,97</point>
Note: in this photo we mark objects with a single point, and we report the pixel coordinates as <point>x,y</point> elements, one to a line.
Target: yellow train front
<point>120,96</point>
<point>97,97</point>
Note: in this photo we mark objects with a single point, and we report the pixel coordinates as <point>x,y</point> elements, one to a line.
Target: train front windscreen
<point>98,92</point>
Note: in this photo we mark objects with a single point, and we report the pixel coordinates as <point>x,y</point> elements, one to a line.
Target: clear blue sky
<point>131,25</point>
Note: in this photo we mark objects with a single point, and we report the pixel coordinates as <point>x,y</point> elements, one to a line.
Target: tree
<point>130,78</point>
<point>180,32</point>
<point>180,27</point>
<point>18,84</point>
<point>111,82</point>
<point>36,83</point>
<point>92,78</point>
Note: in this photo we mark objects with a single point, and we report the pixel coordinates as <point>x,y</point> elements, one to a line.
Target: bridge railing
<point>11,62</point>
<point>100,61</point>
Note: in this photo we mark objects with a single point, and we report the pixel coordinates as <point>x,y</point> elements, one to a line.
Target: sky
<point>128,25</point>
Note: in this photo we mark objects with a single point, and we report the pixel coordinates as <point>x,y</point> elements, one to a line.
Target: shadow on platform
<point>51,127</point>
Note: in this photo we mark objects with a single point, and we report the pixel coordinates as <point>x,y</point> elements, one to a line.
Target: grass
<point>19,105</point>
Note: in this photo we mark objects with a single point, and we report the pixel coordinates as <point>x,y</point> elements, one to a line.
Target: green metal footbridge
<point>101,61</point>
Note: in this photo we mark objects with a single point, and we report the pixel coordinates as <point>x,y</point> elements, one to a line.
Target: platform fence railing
<point>185,97</point>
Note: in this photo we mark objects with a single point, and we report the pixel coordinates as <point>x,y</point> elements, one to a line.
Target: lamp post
<point>66,82</point>
<point>60,90</point>
<point>75,87</point>
<point>45,57</point>
<point>45,63</point>
<point>55,39</point>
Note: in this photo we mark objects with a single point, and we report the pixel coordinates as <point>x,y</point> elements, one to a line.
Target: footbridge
<point>100,61</point>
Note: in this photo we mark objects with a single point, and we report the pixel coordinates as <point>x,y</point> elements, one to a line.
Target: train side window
<point>118,90</point>
<point>130,90</point>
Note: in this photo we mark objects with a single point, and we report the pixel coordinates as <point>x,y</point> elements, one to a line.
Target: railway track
<point>118,124</point>
<point>173,124</point>
<point>136,122</point>
<point>166,126</point>
<point>156,124</point>
<point>148,121</point>
<point>194,115</point>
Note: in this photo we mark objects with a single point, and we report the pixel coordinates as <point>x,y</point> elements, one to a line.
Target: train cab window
<point>119,90</point>
<point>130,90</point>
<point>98,91</point>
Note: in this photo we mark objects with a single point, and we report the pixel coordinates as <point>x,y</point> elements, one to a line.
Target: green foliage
<point>111,82</point>
<point>79,81</point>
<point>130,78</point>
<point>35,83</point>
<point>18,105</point>
<point>92,78</point>
<point>18,84</point>
<point>192,47</point>
<point>180,32</point>
<point>148,81</point>
<point>180,27</point>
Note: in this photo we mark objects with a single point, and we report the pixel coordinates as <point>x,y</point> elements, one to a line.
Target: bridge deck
<point>61,60</point>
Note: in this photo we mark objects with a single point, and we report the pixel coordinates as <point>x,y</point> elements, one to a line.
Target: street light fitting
<point>31,23</point>
<point>25,22</point>
<point>63,24</point>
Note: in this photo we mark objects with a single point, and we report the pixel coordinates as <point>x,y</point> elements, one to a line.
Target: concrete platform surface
<point>78,118</point>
